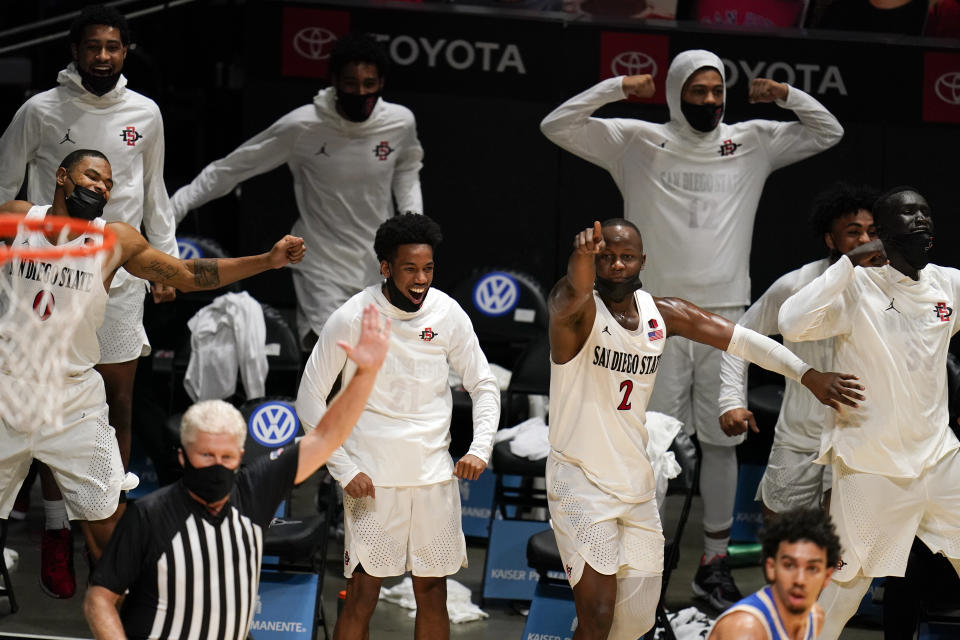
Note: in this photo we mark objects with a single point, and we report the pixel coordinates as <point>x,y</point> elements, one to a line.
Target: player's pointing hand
<point>590,240</point>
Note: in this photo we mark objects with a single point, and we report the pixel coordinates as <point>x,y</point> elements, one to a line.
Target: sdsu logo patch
<point>382,150</point>
<point>943,311</point>
<point>43,304</point>
<point>346,558</point>
<point>428,334</point>
<point>728,147</point>
<point>130,135</point>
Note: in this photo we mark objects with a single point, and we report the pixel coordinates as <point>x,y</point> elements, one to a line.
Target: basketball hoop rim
<point>11,223</point>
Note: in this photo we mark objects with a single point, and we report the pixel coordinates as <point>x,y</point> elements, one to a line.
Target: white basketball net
<point>37,322</point>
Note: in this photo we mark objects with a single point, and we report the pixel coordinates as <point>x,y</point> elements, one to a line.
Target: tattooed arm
<point>139,258</point>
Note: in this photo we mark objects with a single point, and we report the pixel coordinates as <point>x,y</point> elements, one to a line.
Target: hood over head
<point>681,68</point>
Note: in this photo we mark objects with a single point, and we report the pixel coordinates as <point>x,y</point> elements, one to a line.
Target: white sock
<point>55,515</point>
<point>713,547</point>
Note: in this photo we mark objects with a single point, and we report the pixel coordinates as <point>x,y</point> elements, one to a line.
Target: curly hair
<point>811,525</point>
<point>838,200</point>
<point>358,47</point>
<point>99,14</point>
<point>74,157</point>
<point>407,228</point>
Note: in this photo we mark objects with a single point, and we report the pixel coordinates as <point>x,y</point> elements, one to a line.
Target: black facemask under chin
<point>98,85</point>
<point>84,203</point>
<point>702,117</point>
<point>357,107</point>
<point>617,291</point>
<point>208,483</point>
<point>914,247</point>
<point>400,301</point>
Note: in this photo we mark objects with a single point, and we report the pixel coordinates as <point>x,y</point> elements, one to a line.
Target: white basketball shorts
<point>405,529</point>
<point>121,336</point>
<point>792,481</point>
<point>597,528</point>
<point>82,453</point>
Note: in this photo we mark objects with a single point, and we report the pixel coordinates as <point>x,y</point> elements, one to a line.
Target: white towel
<point>529,439</point>
<point>459,606</point>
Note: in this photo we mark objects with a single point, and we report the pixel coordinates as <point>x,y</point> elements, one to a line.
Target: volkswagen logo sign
<point>947,87</point>
<point>495,294</point>
<point>188,249</point>
<point>273,424</point>
<point>633,63</point>
<point>314,43</point>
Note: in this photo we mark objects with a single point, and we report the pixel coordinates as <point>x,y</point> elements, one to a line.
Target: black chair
<point>298,540</point>
<point>7,588</point>
<point>531,376</point>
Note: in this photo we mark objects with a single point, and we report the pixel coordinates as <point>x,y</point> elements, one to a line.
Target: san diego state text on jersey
<point>624,362</point>
<point>63,277</point>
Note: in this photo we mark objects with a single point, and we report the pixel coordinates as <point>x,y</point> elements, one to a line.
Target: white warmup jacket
<point>693,195</point>
<point>802,416</point>
<point>122,124</point>
<point>345,175</point>
<point>402,437</point>
<point>226,335</point>
<point>893,332</point>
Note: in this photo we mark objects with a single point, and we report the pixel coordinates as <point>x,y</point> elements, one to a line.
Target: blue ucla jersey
<point>761,605</point>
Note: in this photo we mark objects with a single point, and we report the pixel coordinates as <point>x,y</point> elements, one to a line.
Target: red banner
<point>630,54</point>
<point>308,37</point>
<point>941,87</point>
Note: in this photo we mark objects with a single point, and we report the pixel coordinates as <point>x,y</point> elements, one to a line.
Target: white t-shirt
<point>403,436</point>
<point>345,176</point>
<point>893,332</point>
<point>802,416</point>
<point>598,401</point>
<point>693,195</point>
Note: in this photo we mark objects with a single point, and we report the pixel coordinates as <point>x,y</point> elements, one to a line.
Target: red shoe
<point>57,578</point>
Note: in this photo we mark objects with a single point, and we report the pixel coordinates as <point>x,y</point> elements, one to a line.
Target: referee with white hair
<point>190,553</point>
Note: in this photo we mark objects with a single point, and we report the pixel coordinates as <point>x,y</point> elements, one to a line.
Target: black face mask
<point>914,247</point>
<point>85,203</point>
<point>98,85</point>
<point>401,301</point>
<point>209,483</point>
<point>617,291</point>
<point>356,107</point>
<point>702,117</point>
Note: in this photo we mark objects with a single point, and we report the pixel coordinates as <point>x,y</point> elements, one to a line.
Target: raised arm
<point>406,174</point>
<point>789,142</point>
<point>819,310</point>
<point>571,305</point>
<point>335,425</point>
<point>685,319</point>
<point>143,261</point>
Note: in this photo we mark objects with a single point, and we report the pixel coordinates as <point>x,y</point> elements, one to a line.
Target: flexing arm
<point>571,305</point>
<point>261,153</point>
<point>100,608</point>
<point>18,145</point>
<point>789,142</point>
<point>818,310</point>
<point>143,261</point>
<point>336,424</point>
<point>599,140</point>
<point>685,319</point>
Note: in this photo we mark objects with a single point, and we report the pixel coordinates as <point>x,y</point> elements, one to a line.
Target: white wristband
<point>766,353</point>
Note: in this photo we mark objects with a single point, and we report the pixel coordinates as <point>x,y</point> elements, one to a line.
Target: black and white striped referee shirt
<point>190,574</point>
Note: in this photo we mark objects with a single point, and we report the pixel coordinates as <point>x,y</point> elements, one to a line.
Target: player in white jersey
<point>93,108</point>
<point>351,154</point>
<point>401,495</point>
<point>896,469</point>
<point>800,553</point>
<point>692,186</point>
<point>82,452</point>
<point>842,218</point>
<point>606,339</point>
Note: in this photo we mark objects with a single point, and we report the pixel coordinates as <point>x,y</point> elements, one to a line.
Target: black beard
<point>617,291</point>
<point>98,85</point>
<point>400,301</point>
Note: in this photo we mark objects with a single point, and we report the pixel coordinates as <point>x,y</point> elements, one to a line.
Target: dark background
<point>504,195</point>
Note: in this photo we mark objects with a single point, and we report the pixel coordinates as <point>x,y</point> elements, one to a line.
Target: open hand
<point>287,250</point>
<point>736,421</point>
<point>360,487</point>
<point>641,86</point>
<point>469,467</point>
<point>767,90</point>
<point>371,347</point>
<point>833,389</point>
<point>590,240</point>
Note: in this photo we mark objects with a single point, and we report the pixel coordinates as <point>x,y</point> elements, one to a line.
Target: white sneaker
<point>130,482</point>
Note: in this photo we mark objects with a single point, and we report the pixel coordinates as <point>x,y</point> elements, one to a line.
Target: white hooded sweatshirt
<point>344,177</point>
<point>122,124</point>
<point>693,195</point>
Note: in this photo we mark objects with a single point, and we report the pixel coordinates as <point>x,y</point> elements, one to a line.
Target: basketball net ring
<point>37,328</point>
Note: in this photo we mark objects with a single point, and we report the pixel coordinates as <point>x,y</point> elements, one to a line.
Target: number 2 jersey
<point>598,401</point>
